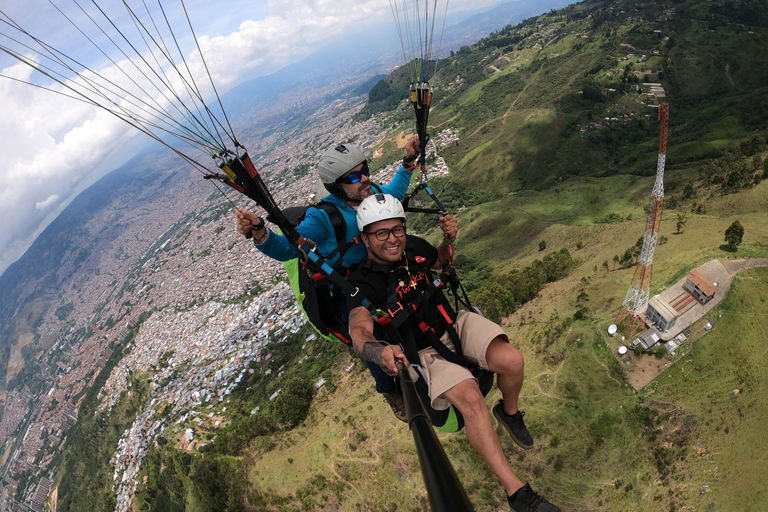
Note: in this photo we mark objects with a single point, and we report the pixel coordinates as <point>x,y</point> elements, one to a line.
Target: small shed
<point>700,287</point>
<point>647,339</point>
<point>661,313</point>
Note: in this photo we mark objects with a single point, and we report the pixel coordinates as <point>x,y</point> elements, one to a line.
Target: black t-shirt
<point>409,280</point>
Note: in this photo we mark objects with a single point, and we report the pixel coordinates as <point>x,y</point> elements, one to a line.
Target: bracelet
<point>263,237</point>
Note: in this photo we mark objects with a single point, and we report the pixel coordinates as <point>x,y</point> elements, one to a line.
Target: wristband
<point>448,242</point>
<point>257,227</point>
<point>263,237</point>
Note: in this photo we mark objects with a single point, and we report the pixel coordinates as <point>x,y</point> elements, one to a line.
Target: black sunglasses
<point>355,177</point>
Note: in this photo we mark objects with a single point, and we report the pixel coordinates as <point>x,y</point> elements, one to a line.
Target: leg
<point>466,397</point>
<point>384,382</point>
<point>385,386</point>
<point>507,362</point>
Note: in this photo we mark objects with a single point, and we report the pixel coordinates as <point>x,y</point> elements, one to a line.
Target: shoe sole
<point>509,431</point>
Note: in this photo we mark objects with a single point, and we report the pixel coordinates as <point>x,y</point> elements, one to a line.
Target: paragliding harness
<point>400,318</point>
<point>319,301</point>
<point>241,175</point>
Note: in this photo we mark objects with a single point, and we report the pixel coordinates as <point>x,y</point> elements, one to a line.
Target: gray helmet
<point>336,161</point>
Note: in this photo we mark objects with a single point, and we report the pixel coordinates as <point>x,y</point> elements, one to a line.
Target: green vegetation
<point>86,482</point>
<point>564,99</point>
<point>215,479</point>
<point>734,234</point>
<point>86,474</point>
<point>63,311</point>
<point>503,294</point>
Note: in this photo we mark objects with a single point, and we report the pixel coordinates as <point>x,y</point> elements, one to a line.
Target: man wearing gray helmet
<point>343,169</point>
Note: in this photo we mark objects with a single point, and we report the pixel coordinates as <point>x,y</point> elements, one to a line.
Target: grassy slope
<point>520,127</point>
<point>730,449</point>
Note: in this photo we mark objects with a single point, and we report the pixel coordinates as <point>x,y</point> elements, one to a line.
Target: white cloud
<point>43,205</point>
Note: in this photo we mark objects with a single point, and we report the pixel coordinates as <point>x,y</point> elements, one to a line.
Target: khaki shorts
<point>476,333</point>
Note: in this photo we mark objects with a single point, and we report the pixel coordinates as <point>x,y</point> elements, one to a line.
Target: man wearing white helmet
<point>422,328</point>
<point>343,169</point>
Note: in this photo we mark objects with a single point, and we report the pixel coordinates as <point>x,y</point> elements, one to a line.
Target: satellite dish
<point>612,329</point>
<point>622,350</point>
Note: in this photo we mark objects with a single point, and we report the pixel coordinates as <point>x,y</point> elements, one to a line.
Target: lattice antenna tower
<point>635,306</point>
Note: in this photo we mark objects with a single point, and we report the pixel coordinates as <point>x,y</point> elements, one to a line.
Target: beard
<point>362,191</point>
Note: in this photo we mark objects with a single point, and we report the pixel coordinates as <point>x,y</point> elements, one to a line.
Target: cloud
<point>43,205</point>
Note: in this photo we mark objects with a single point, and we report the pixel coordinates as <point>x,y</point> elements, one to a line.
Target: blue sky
<point>54,147</point>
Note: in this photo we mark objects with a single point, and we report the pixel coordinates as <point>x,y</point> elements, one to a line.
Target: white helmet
<point>378,207</point>
<point>336,161</point>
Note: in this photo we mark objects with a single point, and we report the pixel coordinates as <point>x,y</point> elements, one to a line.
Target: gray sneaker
<point>515,426</point>
<point>526,500</point>
<point>396,402</point>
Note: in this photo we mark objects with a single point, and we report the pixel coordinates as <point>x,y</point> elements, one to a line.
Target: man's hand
<point>383,355</point>
<point>411,149</point>
<point>450,227</point>
<point>389,357</point>
<point>246,221</point>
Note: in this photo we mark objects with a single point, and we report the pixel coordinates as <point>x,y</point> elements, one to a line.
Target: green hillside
<point>540,170</point>
<point>559,96</point>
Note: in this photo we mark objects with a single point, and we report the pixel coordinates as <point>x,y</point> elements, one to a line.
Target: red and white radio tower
<point>635,306</point>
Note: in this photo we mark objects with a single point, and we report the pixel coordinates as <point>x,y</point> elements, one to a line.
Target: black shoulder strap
<point>339,231</point>
<point>337,220</point>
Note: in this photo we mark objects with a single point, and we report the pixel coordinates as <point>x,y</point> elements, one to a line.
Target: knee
<point>469,400</point>
<point>506,358</point>
<point>516,362</point>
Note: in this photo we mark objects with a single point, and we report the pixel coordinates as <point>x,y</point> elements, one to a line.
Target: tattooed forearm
<point>372,352</point>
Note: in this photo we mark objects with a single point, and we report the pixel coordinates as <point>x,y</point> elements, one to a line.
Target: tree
<point>605,265</point>
<point>292,405</point>
<point>616,260</point>
<point>542,245</point>
<point>734,234</point>
<point>681,220</point>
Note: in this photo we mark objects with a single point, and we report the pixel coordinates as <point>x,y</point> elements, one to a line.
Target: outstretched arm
<point>276,246</point>
<point>399,184</point>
